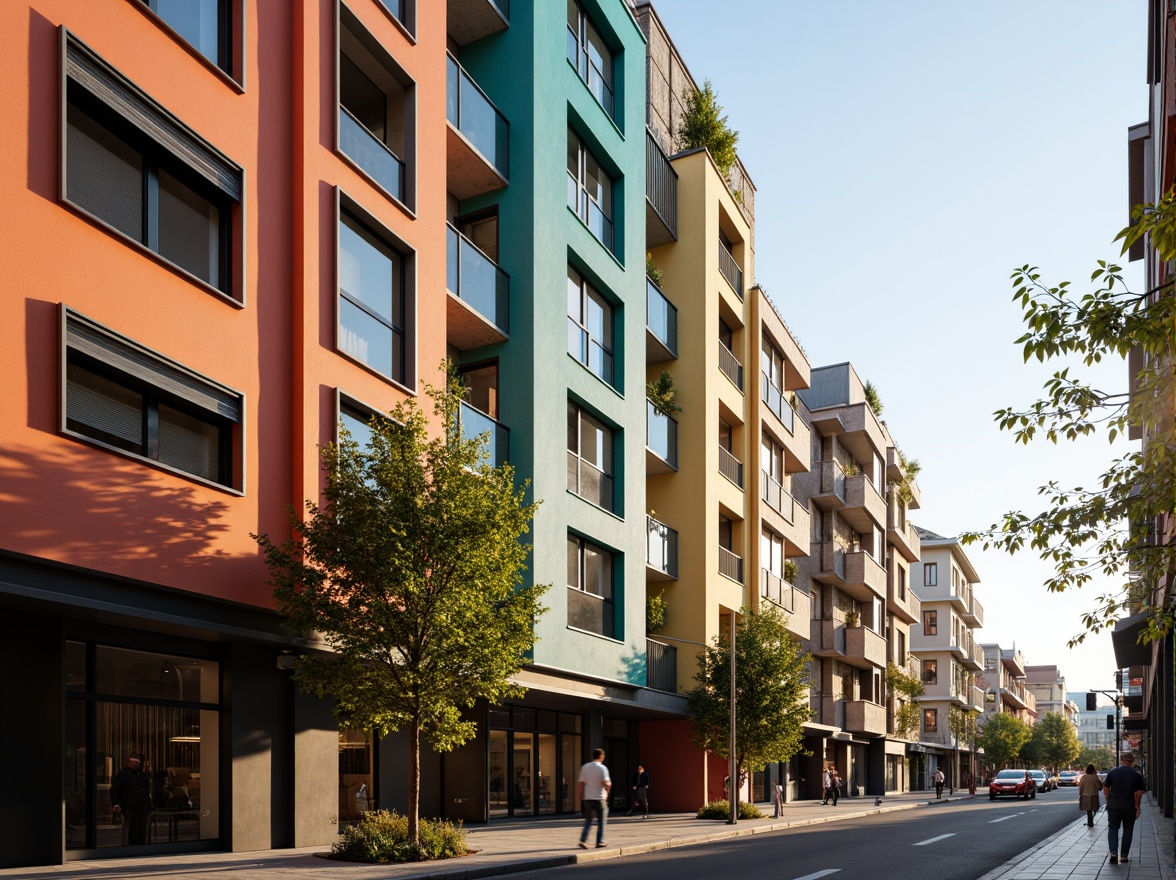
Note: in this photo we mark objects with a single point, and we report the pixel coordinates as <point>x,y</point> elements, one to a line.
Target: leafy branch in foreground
<point>1106,528</point>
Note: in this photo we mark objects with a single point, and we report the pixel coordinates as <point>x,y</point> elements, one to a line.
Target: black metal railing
<point>730,270</point>
<point>730,366</point>
<point>661,663</point>
<point>730,467</point>
<point>661,184</point>
<point>730,564</point>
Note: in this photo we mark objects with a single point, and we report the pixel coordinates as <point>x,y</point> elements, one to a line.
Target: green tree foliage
<point>962,724</point>
<point>906,710</point>
<point>1055,741</point>
<point>704,125</point>
<point>770,682</point>
<point>411,572</point>
<point>873,398</point>
<point>1102,757</point>
<point>652,271</point>
<point>1107,526</point>
<point>1002,737</point>
<point>663,395</point>
<point>656,609</point>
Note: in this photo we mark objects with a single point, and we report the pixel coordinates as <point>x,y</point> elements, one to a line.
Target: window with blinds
<point>124,397</point>
<point>132,166</point>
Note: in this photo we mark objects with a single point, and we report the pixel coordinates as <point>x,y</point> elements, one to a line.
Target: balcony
<point>661,551</point>
<point>829,639</point>
<point>370,154</point>
<point>777,497</point>
<point>730,467</point>
<point>661,665</point>
<point>905,606</point>
<point>661,441</point>
<point>477,311</point>
<point>661,326</point>
<point>470,20</point>
<point>777,403</point>
<point>865,579</point>
<point>974,615</point>
<point>731,270</point>
<point>864,508</point>
<point>864,648</point>
<point>477,138</point>
<point>830,560</point>
<point>730,565</point>
<point>900,532</point>
<point>976,699</point>
<point>730,366</point>
<point>972,657</point>
<point>796,604</point>
<point>862,716</point>
<point>661,196</point>
<point>497,442</point>
<point>830,494</point>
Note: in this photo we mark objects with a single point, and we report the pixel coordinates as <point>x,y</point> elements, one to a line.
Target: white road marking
<point>1006,818</point>
<point>934,839</point>
<point>819,874</point>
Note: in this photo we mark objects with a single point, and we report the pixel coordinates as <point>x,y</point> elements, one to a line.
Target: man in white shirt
<point>592,788</point>
<point>939,780</point>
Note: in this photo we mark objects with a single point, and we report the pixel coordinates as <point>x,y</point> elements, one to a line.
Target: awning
<point>1135,722</point>
<point>1125,637</point>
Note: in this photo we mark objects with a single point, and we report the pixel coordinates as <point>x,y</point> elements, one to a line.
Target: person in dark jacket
<point>130,798</point>
<point>1123,789</point>
<point>640,791</point>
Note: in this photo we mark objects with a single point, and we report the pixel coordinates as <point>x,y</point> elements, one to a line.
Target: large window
<point>371,299</point>
<point>159,708</point>
<point>590,327</point>
<point>589,191</point>
<point>591,57</point>
<point>123,397</point>
<point>590,587</point>
<point>930,672</point>
<point>375,108</point>
<point>204,25</point>
<point>137,170</point>
<point>590,458</point>
<point>930,623</point>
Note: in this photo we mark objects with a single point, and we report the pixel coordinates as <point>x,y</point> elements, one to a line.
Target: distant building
<point>1048,686</point>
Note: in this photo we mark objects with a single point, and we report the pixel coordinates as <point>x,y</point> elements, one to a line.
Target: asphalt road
<point>962,840</point>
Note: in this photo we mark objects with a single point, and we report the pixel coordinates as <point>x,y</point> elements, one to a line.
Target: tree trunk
<point>414,783</point>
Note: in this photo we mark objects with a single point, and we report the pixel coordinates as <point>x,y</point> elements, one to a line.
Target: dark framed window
<point>590,458</point>
<point>136,169</point>
<point>930,574</point>
<point>357,420</point>
<point>590,190</point>
<point>930,672</point>
<point>931,720</point>
<point>206,25</point>
<point>590,587</point>
<point>126,398</point>
<point>372,308</point>
<point>902,587</point>
<point>930,623</point>
<point>590,55</point>
<point>590,326</point>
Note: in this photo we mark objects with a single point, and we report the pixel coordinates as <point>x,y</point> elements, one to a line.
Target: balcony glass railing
<point>475,423</point>
<point>730,467</point>
<point>475,279</point>
<point>661,549</point>
<point>661,317</point>
<point>730,366</point>
<point>778,590</point>
<point>730,565</point>
<point>469,111</point>
<point>777,497</point>
<point>775,400</point>
<point>661,434</point>
<point>730,270</point>
<point>370,154</point>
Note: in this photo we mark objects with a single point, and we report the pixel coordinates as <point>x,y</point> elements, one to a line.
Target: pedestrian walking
<point>939,780</point>
<point>1088,789</point>
<point>1123,790</point>
<point>130,799</point>
<point>826,786</point>
<point>592,788</point>
<point>640,792</point>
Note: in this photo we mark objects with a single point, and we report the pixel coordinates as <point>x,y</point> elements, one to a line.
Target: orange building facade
<point>208,263</point>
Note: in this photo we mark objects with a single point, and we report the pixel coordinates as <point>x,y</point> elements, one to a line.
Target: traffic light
<point>1110,722</point>
<point>1091,702</point>
<point>1119,680</point>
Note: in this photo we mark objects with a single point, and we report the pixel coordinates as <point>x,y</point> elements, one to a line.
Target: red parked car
<point>1017,783</point>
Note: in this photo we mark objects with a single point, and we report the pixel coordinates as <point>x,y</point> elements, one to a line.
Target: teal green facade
<point>526,73</point>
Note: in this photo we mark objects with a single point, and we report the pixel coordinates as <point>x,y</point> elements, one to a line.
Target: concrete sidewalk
<point>1080,853</point>
<point>509,847</point>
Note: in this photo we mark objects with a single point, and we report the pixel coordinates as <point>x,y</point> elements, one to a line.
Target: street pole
<point>732,768</point>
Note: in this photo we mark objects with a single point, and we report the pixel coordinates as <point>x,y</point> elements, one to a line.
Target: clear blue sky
<point>907,156</point>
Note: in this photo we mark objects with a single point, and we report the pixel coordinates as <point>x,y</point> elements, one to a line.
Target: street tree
<point>1002,737</point>
<point>410,570</point>
<point>1055,741</point>
<point>906,689</point>
<point>1102,757</point>
<point>771,677</point>
<point>1107,527</point>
